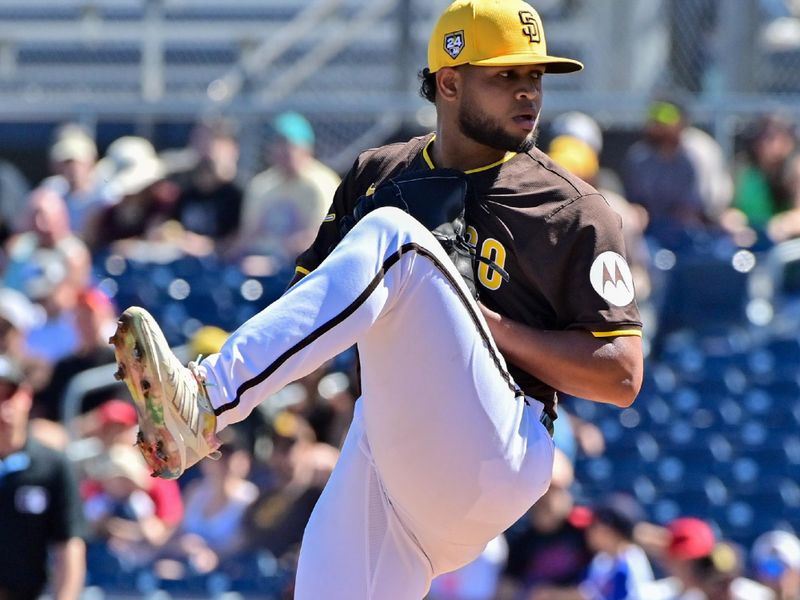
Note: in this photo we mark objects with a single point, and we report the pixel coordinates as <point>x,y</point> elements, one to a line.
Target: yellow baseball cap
<point>575,155</point>
<point>492,33</point>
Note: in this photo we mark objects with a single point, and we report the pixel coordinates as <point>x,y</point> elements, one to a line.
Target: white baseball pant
<point>443,454</point>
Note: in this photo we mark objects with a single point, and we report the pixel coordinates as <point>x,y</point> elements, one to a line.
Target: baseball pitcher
<point>476,277</point>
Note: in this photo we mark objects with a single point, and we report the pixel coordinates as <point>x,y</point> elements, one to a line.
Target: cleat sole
<point>135,354</point>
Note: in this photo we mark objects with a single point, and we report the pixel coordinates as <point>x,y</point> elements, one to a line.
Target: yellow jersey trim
<point>329,217</point>
<point>370,189</point>
<point>427,156</point>
<point>301,270</point>
<point>618,332</point>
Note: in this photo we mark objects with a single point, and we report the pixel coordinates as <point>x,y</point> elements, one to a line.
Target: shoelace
<point>193,367</point>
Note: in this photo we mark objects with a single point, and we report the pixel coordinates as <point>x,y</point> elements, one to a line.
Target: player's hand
<point>488,314</point>
<point>493,320</point>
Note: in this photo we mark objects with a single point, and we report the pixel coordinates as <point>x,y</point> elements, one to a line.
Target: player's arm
<point>69,568</point>
<point>595,351</point>
<point>573,361</point>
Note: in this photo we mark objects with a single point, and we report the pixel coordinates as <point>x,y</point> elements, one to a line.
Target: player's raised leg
<point>448,437</point>
<point>441,457</point>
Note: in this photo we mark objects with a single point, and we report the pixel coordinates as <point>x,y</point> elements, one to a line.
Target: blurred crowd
<point>236,523</point>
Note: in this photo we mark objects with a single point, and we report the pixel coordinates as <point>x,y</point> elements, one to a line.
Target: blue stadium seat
<point>666,510</point>
<point>647,447</point>
<point>716,491</point>
<point>670,470</point>
<point>645,490</point>
<point>681,432</point>
<point>791,446</point>
<point>658,410</point>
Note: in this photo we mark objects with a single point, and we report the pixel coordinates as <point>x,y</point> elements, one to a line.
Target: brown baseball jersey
<point>556,237</point>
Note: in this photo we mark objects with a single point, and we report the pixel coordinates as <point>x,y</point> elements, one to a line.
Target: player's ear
<point>448,83</point>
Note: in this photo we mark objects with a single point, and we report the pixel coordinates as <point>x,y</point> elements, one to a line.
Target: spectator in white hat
<point>776,559</point>
<point>73,161</point>
<point>18,315</point>
<point>133,173</point>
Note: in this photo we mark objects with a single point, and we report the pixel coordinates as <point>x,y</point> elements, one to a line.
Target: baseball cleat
<point>177,424</point>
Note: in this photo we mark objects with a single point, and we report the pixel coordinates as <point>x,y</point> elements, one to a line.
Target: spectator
<point>475,581</point>
<point>210,200</point>
<point>212,534</point>
<point>659,175</point>
<point>49,264</point>
<point>95,318</point>
<point>719,576</point>
<point>18,315</point>
<point>583,127</point>
<point>14,191</point>
<point>45,228</point>
<point>131,514</point>
<point>299,468</point>
<point>548,548</point>
<point>284,205</point>
<point>50,285</point>
<point>39,504</point>
<point>208,339</point>
<point>325,398</point>
<point>137,178</point>
<point>73,160</point>
<point>767,191</point>
<point>776,560</point>
<point>620,569</point>
<point>687,540</point>
<point>111,423</point>
<point>714,180</point>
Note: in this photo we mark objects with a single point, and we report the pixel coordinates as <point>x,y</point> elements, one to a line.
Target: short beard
<point>479,128</point>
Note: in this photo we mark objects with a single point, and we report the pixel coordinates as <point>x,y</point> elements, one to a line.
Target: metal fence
<point>351,65</point>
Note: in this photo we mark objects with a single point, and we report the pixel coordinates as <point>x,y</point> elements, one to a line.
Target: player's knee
<point>390,219</point>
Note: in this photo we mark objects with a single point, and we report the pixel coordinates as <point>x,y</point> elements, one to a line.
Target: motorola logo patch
<point>611,278</point>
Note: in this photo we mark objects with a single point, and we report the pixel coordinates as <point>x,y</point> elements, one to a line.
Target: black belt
<point>544,418</point>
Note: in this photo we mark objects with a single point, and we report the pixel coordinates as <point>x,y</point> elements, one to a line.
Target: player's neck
<point>453,150</point>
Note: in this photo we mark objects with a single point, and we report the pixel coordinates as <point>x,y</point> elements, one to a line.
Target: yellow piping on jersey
<point>301,270</point>
<point>618,332</point>
<point>426,155</point>
<point>329,217</point>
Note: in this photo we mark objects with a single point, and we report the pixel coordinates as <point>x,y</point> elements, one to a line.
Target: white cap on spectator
<point>73,145</point>
<point>130,166</point>
<point>778,545</point>
<point>579,125</point>
<point>46,269</point>
<point>18,310</point>
<point>121,461</point>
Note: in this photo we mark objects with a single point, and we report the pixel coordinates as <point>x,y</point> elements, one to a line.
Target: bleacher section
<point>714,433</point>
<point>348,65</point>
